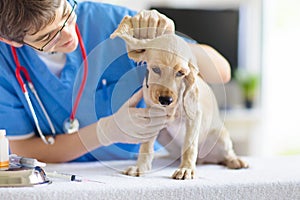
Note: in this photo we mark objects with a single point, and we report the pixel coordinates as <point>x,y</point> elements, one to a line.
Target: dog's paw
<point>184,174</point>
<point>132,171</point>
<point>135,171</point>
<point>235,163</point>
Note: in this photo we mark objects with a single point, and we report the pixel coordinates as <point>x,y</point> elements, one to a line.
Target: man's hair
<point>21,17</point>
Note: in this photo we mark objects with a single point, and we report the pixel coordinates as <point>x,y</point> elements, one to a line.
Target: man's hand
<point>130,124</point>
<point>149,24</point>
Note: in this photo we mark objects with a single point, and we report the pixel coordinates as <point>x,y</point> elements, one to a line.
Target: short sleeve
<point>13,116</point>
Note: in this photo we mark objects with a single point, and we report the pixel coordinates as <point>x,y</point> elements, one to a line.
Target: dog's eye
<point>156,70</point>
<point>179,74</point>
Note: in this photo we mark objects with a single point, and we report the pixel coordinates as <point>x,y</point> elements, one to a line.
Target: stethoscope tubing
<point>35,118</point>
<point>42,107</point>
<point>23,86</point>
<point>85,73</point>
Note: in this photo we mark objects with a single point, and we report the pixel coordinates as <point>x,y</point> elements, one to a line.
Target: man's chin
<point>68,48</point>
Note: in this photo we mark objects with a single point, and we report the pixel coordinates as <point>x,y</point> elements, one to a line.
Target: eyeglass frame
<point>58,32</point>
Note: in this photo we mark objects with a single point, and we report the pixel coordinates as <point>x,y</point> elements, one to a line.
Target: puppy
<point>173,82</point>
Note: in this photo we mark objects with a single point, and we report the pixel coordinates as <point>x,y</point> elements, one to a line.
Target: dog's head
<point>166,77</point>
<point>171,67</point>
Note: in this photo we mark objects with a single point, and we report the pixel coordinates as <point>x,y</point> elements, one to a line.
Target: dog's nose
<point>165,100</point>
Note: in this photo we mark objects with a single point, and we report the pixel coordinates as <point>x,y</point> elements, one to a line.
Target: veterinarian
<point>45,76</point>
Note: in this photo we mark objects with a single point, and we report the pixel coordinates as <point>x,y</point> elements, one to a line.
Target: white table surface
<point>267,178</point>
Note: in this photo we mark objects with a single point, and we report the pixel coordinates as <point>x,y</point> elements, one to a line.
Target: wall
<point>281,71</point>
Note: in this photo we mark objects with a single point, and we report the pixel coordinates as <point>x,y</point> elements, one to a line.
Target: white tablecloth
<point>267,178</point>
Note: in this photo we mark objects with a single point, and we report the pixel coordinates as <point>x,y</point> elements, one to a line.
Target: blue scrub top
<point>108,63</point>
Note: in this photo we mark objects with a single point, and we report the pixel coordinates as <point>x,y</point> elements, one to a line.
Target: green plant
<point>248,82</point>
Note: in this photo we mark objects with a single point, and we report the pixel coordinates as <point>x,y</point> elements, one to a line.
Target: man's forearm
<point>66,147</point>
<point>213,67</point>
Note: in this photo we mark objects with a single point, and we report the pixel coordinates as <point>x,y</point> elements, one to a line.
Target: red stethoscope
<point>71,124</point>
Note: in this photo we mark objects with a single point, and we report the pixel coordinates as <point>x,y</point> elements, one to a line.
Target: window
<point>281,75</point>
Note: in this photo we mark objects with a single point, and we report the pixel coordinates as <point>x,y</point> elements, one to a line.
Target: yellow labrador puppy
<point>173,82</point>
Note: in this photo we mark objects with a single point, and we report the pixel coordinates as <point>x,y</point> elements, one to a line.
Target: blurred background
<point>260,38</point>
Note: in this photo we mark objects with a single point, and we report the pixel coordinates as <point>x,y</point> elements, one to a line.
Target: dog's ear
<point>124,30</point>
<point>137,55</point>
<point>191,93</point>
<point>134,46</point>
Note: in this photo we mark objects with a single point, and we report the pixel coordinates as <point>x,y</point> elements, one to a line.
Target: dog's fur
<point>173,81</point>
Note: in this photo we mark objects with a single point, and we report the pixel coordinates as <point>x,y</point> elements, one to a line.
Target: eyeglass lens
<point>57,36</point>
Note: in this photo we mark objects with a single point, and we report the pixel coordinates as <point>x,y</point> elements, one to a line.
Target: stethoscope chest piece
<point>71,126</point>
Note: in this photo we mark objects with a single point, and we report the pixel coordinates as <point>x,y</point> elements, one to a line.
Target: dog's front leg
<point>187,167</point>
<point>144,162</point>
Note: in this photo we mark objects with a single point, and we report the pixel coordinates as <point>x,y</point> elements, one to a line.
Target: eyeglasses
<point>57,35</point>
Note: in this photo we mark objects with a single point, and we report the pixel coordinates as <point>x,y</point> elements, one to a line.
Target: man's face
<point>52,37</point>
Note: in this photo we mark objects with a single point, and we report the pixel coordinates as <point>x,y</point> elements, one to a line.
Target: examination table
<point>267,178</point>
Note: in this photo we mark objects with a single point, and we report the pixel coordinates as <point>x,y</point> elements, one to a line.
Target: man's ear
<point>11,43</point>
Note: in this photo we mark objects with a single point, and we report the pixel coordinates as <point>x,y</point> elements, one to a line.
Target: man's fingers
<point>149,24</point>
<point>136,26</point>
<point>153,23</point>
<point>135,99</point>
<point>151,112</point>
